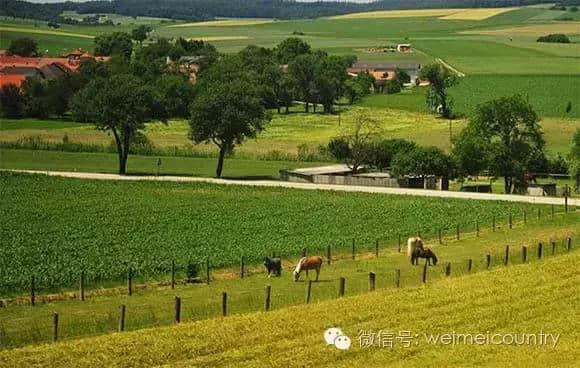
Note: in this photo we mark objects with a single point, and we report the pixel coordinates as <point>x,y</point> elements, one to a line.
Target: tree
<point>23,46</point>
<point>140,33</point>
<point>177,93</point>
<point>423,161</point>
<point>385,150</point>
<point>393,86</point>
<point>291,48</point>
<point>402,76</point>
<point>574,160</point>
<point>35,98</point>
<point>302,71</point>
<point>11,101</point>
<point>470,152</point>
<point>554,38</point>
<point>116,43</point>
<point>440,78</point>
<point>227,108</point>
<point>355,147</point>
<point>121,104</point>
<point>511,138</point>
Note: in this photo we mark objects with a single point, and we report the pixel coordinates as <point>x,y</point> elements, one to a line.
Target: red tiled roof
<point>15,79</point>
<point>37,62</point>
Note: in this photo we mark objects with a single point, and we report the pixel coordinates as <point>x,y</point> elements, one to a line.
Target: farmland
<point>118,226</point>
<point>498,301</point>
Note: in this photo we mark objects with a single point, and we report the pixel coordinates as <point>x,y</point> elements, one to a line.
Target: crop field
<point>495,301</point>
<point>150,303</point>
<point>534,30</point>
<point>460,14</point>
<point>106,227</point>
<point>225,23</point>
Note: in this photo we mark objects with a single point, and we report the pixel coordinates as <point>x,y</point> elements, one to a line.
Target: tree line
<point>198,10</point>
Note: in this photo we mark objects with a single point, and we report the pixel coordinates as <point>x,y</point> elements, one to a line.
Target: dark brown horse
<point>426,253</point>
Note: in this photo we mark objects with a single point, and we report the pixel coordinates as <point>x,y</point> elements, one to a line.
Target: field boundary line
<point>310,186</point>
<point>450,67</point>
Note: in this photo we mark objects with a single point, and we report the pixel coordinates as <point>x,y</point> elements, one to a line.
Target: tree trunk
<point>314,107</point>
<point>287,109</point>
<point>306,106</point>
<point>278,108</point>
<point>507,185</point>
<point>120,151</point>
<point>220,165</point>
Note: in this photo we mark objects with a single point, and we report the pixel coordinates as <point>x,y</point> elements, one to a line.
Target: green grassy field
<point>105,227</point>
<point>496,301</point>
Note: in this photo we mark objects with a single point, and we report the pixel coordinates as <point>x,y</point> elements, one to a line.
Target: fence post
<point>448,269</point>
<point>82,287</point>
<point>524,254</point>
<point>377,247</point>
<point>477,228</point>
<point>469,264</point>
<point>457,231</point>
<point>525,217</point>
<point>55,327</point>
<point>123,310</point>
<point>539,213</point>
<point>207,270</point>
<point>341,283</point>
<point>540,250</point>
<point>398,277</point>
<point>308,291</point>
<point>224,304</point>
<point>569,244</point>
<point>328,254</point>
<point>353,249</point>
<point>32,291</point>
<point>424,275</point>
<point>267,299</point>
<point>553,247</point>
<point>242,267</point>
<point>177,309</point>
<point>507,255</point>
<point>172,274</point>
<point>552,211</point>
<point>493,223</point>
<point>566,199</point>
<point>440,238</point>
<point>399,243</point>
<point>372,281</point>
<point>130,281</point>
<point>488,260</point>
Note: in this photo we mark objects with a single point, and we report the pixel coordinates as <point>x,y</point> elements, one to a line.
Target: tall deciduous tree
<point>121,104</point>
<point>423,161</point>
<point>440,78</point>
<point>140,33</point>
<point>227,108</point>
<point>116,43</point>
<point>24,46</point>
<point>291,48</point>
<point>507,132</point>
<point>11,101</point>
<point>574,160</point>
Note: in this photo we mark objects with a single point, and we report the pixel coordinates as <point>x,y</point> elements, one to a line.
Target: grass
<point>497,301</point>
<point>225,23</point>
<point>461,14</point>
<point>105,227</point>
<point>53,45</point>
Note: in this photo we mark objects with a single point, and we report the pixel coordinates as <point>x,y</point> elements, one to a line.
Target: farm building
<point>343,175</point>
<point>383,72</point>
<point>404,47</point>
<point>15,69</point>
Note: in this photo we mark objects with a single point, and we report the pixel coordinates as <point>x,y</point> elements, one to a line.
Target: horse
<point>412,244</point>
<point>308,263</point>
<point>273,265</point>
<point>427,253</point>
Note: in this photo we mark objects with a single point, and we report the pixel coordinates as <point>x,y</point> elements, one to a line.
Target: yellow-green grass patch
<point>225,23</point>
<point>44,31</point>
<point>531,30</point>
<point>455,14</point>
<point>220,38</point>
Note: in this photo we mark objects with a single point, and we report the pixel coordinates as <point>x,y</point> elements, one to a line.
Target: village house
<point>383,72</point>
<point>15,69</point>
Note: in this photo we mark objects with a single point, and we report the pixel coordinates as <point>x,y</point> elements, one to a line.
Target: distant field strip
<point>44,31</point>
<point>531,30</point>
<point>221,38</point>
<point>225,23</point>
<point>453,14</point>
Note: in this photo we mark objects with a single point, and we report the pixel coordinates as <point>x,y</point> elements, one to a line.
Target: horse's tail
<point>410,246</point>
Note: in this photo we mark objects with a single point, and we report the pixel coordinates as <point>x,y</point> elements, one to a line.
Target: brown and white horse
<point>308,263</point>
<point>412,244</point>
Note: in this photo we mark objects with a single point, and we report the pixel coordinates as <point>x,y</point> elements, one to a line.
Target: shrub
<point>554,38</point>
<point>192,272</point>
<point>393,86</point>
<point>384,150</point>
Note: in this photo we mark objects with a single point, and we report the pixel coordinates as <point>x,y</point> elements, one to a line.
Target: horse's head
<point>266,261</point>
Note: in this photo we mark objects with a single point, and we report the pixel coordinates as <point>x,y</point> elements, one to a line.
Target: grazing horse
<point>308,263</point>
<point>273,265</point>
<point>412,244</point>
<point>427,253</point>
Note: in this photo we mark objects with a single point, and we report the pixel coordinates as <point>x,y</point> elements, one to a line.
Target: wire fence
<point>171,309</point>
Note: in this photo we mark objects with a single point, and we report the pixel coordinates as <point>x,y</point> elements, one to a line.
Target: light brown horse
<point>414,243</point>
<point>308,263</point>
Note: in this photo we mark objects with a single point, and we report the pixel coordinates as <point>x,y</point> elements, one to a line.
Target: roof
<point>323,170</point>
<point>15,79</point>
<point>384,66</point>
<point>29,71</point>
